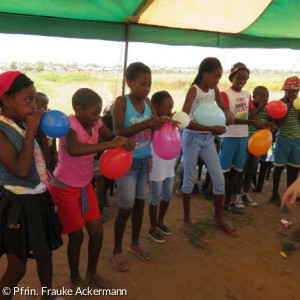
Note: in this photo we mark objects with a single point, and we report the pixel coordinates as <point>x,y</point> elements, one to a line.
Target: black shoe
<point>275,199</point>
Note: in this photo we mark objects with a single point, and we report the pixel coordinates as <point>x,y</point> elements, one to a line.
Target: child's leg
<point>73,252</point>
<point>190,157</point>
<point>156,190</point>
<point>95,231</point>
<point>100,183</point>
<point>137,219</point>
<point>276,179</point>
<point>229,184</point>
<point>15,271</point>
<point>45,273</point>
<point>292,174</point>
<point>167,192</point>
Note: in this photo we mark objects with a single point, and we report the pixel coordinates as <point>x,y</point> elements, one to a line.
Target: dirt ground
<point>247,267</point>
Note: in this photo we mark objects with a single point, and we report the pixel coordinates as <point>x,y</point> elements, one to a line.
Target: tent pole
<point>125,55</point>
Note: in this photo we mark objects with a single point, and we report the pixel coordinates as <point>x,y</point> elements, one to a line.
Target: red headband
<point>6,80</point>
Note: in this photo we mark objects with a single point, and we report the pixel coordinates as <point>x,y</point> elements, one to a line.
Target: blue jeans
<point>194,144</point>
<point>161,190</point>
<point>134,185</point>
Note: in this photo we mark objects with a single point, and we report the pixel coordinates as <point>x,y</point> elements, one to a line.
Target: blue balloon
<point>55,123</point>
<point>209,114</point>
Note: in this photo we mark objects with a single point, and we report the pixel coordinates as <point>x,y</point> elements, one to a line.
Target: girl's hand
<point>130,144</point>
<point>171,121</point>
<point>33,120</point>
<point>258,124</point>
<point>155,123</point>
<point>119,141</point>
<point>218,130</point>
<point>229,117</point>
<point>289,197</point>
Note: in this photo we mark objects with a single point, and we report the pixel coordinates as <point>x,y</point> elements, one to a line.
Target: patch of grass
<point>200,228</point>
<point>296,235</point>
<point>288,247</point>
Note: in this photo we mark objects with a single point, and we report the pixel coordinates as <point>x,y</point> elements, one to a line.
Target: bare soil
<point>246,267</point>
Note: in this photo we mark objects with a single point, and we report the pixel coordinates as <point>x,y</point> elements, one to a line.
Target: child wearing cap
<point>234,140</point>
<point>287,146</point>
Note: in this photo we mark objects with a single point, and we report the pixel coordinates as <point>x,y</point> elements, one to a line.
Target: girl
<point>132,117</point>
<point>28,224</point>
<point>199,139</point>
<point>71,189</point>
<point>234,142</point>
<point>161,176</point>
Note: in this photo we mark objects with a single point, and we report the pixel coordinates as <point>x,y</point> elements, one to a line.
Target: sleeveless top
<point>200,97</point>
<point>142,138</point>
<point>37,180</point>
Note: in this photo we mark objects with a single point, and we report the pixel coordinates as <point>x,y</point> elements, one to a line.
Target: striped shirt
<point>290,129</point>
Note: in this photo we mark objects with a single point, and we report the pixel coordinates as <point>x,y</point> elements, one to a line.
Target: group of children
<point>30,227</point>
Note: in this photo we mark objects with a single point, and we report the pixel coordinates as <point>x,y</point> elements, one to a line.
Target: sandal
<point>228,229</point>
<point>141,252</point>
<point>121,265</point>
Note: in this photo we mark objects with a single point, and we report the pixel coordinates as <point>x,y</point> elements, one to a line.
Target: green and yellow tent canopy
<point>213,23</point>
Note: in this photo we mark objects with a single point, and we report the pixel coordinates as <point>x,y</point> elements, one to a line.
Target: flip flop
<point>120,267</point>
<point>228,229</point>
<point>140,252</point>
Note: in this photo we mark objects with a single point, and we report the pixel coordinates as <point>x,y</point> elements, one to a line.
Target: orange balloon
<point>260,142</point>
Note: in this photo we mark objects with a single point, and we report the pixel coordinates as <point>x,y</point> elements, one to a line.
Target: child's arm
<point>280,122</point>
<point>228,114</point>
<point>107,135</point>
<point>118,119</point>
<point>19,164</point>
<point>289,196</point>
<point>75,148</point>
<point>193,125</point>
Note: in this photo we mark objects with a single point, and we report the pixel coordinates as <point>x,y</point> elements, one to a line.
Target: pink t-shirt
<point>76,171</point>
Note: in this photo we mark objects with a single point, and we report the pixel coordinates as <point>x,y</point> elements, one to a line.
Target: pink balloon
<point>167,142</point>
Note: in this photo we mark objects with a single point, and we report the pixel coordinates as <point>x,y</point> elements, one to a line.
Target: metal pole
<point>125,55</point>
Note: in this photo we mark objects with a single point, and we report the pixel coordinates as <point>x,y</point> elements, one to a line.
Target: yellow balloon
<point>296,103</point>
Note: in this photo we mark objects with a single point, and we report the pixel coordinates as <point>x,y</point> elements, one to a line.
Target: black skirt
<point>29,227</point>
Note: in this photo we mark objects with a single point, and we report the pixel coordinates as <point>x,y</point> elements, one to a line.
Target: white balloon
<point>183,118</point>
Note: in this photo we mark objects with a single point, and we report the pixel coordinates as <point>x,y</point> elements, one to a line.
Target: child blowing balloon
<point>29,228</point>
<point>161,176</point>
<point>71,189</point>
<point>199,139</point>
<point>132,117</point>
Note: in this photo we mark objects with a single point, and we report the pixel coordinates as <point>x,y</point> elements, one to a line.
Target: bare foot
<point>97,280</point>
<point>78,283</point>
<point>119,262</point>
<point>187,228</point>
<point>140,251</point>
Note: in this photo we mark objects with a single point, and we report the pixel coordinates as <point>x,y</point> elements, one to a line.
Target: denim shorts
<point>287,152</point>
<point>161,190</point>
<point>134,185</point>
<point>194,144</point>
<point>233,153</point>
<point>251,164</point>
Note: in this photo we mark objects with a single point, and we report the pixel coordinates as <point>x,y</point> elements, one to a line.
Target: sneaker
<point>247,198</point>
<point>164,229</point>
<point>157,237</point>
<point>238,202</point>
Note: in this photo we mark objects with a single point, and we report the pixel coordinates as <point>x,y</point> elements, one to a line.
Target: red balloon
<point>115,163</point>
<point>277,109</point>
<point>260,142</point>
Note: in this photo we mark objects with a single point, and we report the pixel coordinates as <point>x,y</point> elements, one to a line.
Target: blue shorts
<point>233,153</point>
<point>161,190</point>
<point>287,152</point>
<point>134,185</point>
<point>251,164</point>
<point>194,144</point>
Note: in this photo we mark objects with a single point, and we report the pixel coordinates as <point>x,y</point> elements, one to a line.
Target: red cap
<point>291,83</point>
<point>6,80</point>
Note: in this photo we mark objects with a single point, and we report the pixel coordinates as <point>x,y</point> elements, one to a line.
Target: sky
<point>27,48</point>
